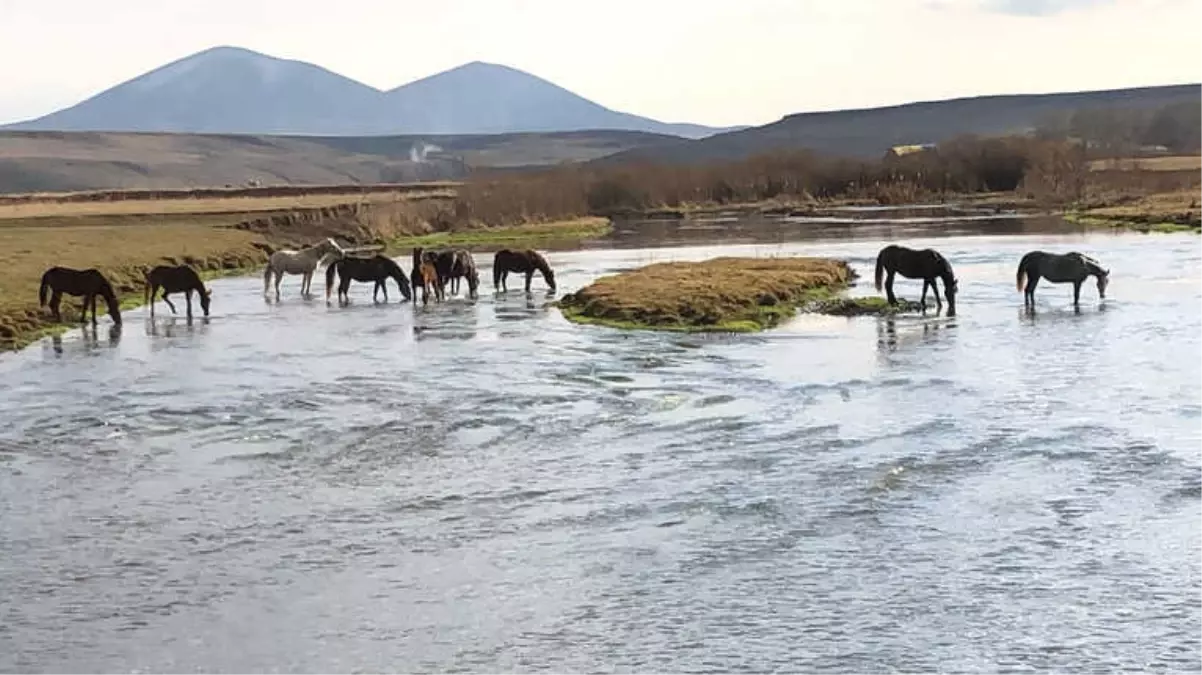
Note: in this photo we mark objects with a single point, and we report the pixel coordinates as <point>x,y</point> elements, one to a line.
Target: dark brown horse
<point>523,262</point>
<point>79,283</point>
<point>926,264</point>
<point>1059,268</point>
<point>455,265</point>
<point>378,268</point>
<point>176,279</point>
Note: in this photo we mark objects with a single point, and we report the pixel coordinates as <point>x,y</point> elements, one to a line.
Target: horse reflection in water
<point>91,339</point>
<point>174,327</point>
<point>888,339</point>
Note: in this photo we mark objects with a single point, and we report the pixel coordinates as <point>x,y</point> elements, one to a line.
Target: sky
<point>717,62</point>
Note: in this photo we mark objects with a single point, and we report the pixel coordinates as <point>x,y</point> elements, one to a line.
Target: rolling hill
<point>231,90</point>
<point>52,161</point>
<point>868,133</point>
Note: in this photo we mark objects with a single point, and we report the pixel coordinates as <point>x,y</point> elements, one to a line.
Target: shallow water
<point>486,487</point>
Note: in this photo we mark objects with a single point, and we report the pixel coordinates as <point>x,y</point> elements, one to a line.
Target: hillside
<point>48,161</point>
<point>230,90</point>
<point>868,133</point>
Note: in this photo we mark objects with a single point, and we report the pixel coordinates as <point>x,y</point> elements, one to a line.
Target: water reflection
<point>889,339</point>
<point>89,339</point>
<point>174,327</point>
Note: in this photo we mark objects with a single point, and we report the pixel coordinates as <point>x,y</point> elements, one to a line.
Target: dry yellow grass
<point>726,294</point>
<point>241,205</point>
<point>1173,163</point>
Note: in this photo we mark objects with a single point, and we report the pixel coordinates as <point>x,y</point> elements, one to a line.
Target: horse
<point>521,261</point>
<point>303,262</point>
<point>429,274</point>
<point>378,268</point>
<point>1059,268</point>
<point>178,279</point>
<point>453,265</point>
<point>464,267</point>
<point>926,264</point>
<point>86,283</point>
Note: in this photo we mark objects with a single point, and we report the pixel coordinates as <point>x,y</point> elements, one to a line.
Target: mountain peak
<point>231,89</point>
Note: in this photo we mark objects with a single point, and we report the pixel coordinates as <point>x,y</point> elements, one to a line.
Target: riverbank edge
<point>21,333</point>
<point>1148,225</point>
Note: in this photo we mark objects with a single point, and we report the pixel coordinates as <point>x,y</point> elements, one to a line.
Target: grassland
<point>725,294</point>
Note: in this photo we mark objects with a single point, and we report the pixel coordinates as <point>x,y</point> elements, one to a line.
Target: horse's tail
<point>880,269</point>
<point>45,289</point>
<point>331,270</point>
<point>498,260</point>
<point>1020,277</point>
<point>110,299</point>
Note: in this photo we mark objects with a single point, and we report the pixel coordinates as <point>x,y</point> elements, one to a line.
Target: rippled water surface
<point>303,487</point>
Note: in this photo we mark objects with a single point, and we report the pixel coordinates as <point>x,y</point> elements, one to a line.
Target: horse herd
<point>433,270</point>
<point>930,266</point>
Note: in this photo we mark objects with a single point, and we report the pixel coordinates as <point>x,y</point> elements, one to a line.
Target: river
<point>486,487</point>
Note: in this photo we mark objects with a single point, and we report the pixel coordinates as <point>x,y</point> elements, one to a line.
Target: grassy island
<point>723,294</point>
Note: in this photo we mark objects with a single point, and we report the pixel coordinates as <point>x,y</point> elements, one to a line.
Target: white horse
<point>304,261</point>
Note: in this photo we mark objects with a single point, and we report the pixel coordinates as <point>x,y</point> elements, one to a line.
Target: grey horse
<point>303,262</point>
<point>1059,268</point>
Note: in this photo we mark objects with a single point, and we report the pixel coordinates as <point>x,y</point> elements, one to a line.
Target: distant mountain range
<point>231,90</point>
<point>869,132</point>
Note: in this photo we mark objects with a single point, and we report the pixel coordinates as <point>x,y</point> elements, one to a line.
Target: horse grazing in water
<point>1059,268</point>
<point>303,262</point>
<point>178,279</point>
<point>429,274</point>
<point>524,262</point>
<point>465,267</point>
<point>926,264</point>
<point>453,265</point>
<point>378,268</point>
<point>86,283</point>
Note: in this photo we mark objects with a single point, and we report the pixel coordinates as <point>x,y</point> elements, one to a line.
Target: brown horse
<point>429,279</point>
<point>177,279</point>
<point>86,283</point>
<point>523,262</point>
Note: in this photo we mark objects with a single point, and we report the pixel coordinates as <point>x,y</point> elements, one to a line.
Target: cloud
<point>1039,7</point>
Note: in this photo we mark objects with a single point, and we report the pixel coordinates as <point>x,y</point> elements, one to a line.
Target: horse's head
<point>206,294</point>
<point>1103,280</point>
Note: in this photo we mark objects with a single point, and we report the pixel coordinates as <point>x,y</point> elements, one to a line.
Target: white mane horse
<point>304,261</point>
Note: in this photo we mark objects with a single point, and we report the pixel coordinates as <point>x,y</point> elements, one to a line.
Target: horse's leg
<point>279,276</point>
<point>529,278</point>
<point>154,290</point>
<point>922,301</point>
<point>1076,293</point>
<point>889,287</point>
<point>1029,294</point>
<point>188,300</point>
<point>935,292</point>
<point>55,298</point>
<point>168,301</point>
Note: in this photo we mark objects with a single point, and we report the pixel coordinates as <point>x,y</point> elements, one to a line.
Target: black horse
<point>86,283</point>
<point>377,268</point>
<point>523,262</point>
<point>1059,268</point>
<point>926,264</point>
<point>176,279</point>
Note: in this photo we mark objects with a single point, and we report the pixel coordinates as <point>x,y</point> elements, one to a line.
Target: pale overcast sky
<point>705,61</point>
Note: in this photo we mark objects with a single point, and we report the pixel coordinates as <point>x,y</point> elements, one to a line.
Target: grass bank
<point>527,235</point>
<point>725,294</point>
